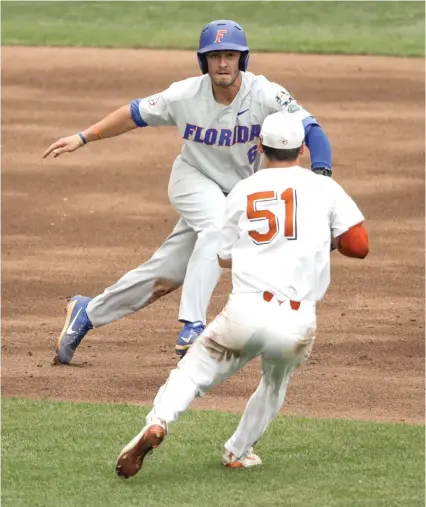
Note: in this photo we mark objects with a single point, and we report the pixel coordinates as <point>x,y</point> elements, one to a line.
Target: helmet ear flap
<point>202,62</point>
<point>244,59</point>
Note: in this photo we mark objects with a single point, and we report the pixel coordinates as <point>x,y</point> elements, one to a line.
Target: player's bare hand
<point>64,145</point>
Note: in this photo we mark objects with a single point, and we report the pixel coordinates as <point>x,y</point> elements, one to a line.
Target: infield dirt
<point>76,224</point>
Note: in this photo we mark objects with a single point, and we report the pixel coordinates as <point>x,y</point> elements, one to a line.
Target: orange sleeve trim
<point>354,242</point>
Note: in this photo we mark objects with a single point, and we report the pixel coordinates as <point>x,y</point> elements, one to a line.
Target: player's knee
<point>164,286</point>
<point>303,348</point>
<point>218,351</point>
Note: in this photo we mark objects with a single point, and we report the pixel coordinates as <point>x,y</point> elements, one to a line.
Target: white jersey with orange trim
<point>220,141</point>
<point>277,230</point>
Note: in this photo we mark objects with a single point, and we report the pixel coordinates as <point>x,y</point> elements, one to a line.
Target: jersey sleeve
<point>280,100</point>
<point>345,213</point>
<point>153,111</point>
<point>230,227</point>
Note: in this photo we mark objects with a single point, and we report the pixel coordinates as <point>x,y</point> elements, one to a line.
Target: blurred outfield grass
<point>387,28</point>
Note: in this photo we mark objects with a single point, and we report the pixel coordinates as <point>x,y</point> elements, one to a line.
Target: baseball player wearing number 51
<point>276,238</point>
<point>219,115</point>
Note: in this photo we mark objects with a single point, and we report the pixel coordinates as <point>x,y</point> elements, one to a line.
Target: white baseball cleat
<point>131,458</point>
<point>247,460</point>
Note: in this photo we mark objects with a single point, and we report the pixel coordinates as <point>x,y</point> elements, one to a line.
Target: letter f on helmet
<point>219,35</point>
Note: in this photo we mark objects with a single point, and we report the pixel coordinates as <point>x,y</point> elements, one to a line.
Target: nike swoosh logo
<point>186,340</point>
<point>242,112</point>
<point>70,330</point>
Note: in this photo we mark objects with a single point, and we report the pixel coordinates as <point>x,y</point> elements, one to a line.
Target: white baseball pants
<point>188,256</point>
<point>248,327</point>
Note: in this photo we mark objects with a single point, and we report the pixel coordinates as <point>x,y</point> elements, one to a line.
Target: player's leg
<point>203,368</point>
<point>161,274</point>
<point>277,367</point>
<point>260,410</point>
<point>223,348</point>
<point>207,364</point>
<point>201,203</point>
<point>194,375</point>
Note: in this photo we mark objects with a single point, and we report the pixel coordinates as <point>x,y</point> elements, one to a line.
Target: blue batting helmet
<point>223,35</point>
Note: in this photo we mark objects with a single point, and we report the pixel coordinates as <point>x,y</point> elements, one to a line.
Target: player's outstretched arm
<point>117,123</point>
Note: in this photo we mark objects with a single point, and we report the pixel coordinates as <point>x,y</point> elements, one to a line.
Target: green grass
<point>388,28</point>
<point>59,454</point>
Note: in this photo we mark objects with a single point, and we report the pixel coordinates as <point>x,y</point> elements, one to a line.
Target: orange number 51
<point>290,226</point>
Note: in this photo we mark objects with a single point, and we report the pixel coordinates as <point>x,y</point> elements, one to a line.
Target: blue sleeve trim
<point>308,122</point>
<point>318,143</point>
<point>136,114</point>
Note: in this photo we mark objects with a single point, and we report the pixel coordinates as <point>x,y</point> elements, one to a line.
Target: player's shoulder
<point>326,184</point>
<point>238,188</point>
<point>185,89</point>
<point>268,92</point>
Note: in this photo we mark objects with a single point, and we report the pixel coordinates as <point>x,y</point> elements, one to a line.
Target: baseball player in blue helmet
<point>219,116</point>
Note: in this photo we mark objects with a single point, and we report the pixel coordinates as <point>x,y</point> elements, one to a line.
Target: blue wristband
<point>82,138</point>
